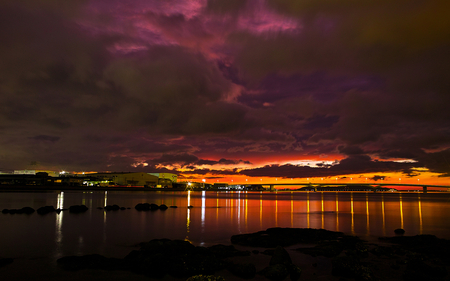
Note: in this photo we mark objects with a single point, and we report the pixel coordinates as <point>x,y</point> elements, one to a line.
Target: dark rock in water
<point>163,207</point>
<point>173,206</point>
<point>280,256</point>
<point>243,270</point>
<point>189,207</point>
<point>275,272</point>
<point>146,207</point>
<point>100,208</point>
<point>46,210</point>
<point>78,209</point>
<point>112,207</point>
<point>128,208</point>
<point>142,207</point>
<point>24,210</point>
<point>255,252</point>
<point>154,207</point>
<point>399,231</point>
<point>122,208</point>
<point>5,261</point>
<point>28,210</point>
<point>273,237</point>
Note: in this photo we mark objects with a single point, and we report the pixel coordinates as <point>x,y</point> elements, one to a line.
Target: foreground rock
<point>281,266</point>
<point>422,257</point>
<point>161,257</point>
<point>284,237</point>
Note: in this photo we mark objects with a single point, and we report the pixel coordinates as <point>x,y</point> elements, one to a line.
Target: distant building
<point>129,179</point>
<point>34,172</point>
<point>169,176</point>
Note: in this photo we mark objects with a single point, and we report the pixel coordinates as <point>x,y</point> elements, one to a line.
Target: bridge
<point>373,186</point>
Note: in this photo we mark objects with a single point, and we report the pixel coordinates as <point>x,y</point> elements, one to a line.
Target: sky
<point>228,90</point>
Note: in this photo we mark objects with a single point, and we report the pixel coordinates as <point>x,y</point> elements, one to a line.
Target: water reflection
<point>59,220</point>
<point>188,219</point>
<point>216,216</point>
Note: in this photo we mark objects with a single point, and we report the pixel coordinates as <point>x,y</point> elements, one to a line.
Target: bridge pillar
<point>271,187</point>
<point>424,189</point>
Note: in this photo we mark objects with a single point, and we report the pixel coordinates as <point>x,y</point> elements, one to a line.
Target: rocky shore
<point>279,254</point>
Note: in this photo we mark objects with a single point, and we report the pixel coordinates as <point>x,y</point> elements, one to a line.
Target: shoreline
<point>33,188</point>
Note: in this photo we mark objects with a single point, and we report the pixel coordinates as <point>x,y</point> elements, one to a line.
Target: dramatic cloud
<point>226,87</point>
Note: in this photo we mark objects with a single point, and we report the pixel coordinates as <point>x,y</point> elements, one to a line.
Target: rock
<point>46,210</point>
<point>112,207</point>
<point>243,270</point>
<point>205,278</point>
<point>27,210</point>
<point>189,207</point>
<point>173,206</point>
<point>417,269</point>
<point>5,211</point>
<point>275,272</point>
<point>78,209</point>
<point>123,208</point>
<point>163,207</point>
<point>280,256</point>
<point>399,231</point>
<point>295,272</point>
<point>142,207</point>
<point>351,267</point>
<point>146,207</point>
<point>100,208</point>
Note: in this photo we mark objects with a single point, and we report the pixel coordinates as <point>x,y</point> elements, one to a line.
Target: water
<point>214,218</point>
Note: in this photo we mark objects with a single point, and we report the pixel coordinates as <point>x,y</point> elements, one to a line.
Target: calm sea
<point>214,218</point>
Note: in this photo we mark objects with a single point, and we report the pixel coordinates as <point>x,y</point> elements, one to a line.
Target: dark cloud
<point>105,86</point>
<point>45,138</point>
<point>351,165</point>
